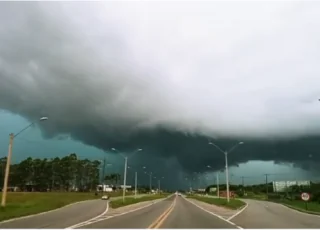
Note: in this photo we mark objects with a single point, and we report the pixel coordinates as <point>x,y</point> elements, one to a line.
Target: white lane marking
<point>92,219</point>
<point>85,223</point>
<point>240,211</point>
<point>293,210</point>
<point>42,213</point>
<point>212,213</point>
<point>109,217</point>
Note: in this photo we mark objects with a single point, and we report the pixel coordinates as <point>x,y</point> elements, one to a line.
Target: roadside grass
<point>28,203</point>
<point>233,204</point>
<point>131,200</point>
<point>299,205</point>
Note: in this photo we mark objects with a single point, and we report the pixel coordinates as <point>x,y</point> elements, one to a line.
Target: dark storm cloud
<point>126,76</point>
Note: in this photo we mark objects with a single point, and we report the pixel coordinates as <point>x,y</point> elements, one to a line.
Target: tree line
<point>291,192</point>
<point>57,174</point>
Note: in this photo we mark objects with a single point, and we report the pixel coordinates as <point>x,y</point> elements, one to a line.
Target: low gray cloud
<point>168,77</point>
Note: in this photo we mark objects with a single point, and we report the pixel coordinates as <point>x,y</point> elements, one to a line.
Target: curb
<point>97,218</point>
<point>216,215</point>
<point>240,210</point>
<point>42,213</point>
<point>52,210</point>
<point>306,212</point>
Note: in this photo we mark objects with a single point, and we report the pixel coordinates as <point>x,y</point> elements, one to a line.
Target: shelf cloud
<point>168,77</point>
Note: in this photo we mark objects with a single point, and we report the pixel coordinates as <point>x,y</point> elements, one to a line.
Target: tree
<point>64,173</point>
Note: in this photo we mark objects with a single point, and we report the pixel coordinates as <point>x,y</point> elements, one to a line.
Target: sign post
<point>305,197</point>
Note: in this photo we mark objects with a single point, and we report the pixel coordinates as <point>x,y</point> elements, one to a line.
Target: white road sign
<point>305,196</point>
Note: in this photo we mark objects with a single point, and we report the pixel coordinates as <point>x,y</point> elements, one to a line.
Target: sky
<point>168,77</point>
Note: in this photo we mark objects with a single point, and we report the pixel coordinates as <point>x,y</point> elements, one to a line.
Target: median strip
<point>114,204</point>
<point>233,204</point>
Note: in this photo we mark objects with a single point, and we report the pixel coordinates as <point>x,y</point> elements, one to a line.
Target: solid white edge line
<point>42,213</point>
<point>96,219</point>
<point>300,212</point>
<point>212,213</point>
<point>240,211</point>
<point>291,209</point>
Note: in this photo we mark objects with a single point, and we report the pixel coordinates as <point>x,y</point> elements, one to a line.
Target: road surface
<point>263,214</point>
<point>174,212</point>
<point>62,217</point>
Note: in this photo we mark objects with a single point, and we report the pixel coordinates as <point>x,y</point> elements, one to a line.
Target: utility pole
<point>243,184</point>
<point>267,189</point>
<point>52,179</point>
<point>103,171</point>
<point>6,175</point>
<point>218,190</point>
<point>159,186</point>
<point>135,184</point>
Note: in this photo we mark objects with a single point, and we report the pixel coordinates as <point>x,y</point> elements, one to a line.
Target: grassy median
<point>131,200</point>
<point>27,203</point>
<point>233,204</point>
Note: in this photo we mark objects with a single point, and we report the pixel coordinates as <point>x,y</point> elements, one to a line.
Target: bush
<point>274,196</point>
<point>316,197</point>
<point>240,193</point>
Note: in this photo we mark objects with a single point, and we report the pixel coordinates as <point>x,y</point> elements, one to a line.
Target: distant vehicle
<point>179,194</point>
<point>105,197</point>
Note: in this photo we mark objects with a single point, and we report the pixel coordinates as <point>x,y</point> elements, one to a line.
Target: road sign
<point>305,196</point>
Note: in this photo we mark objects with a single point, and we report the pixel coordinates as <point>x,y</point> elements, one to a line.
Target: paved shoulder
<point>187,215</point>
<point>60,218</point>
<point>263,214</point>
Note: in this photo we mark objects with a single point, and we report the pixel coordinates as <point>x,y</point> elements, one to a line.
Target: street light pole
<point>159,183</point>
<point>135,184</point>
<point>124,178</point>
<point>125,170</point>
<point>218,192</point>
<point>226,163</point>
<point>150,182</point>
<point>227,176</point>
<point>7,171</point>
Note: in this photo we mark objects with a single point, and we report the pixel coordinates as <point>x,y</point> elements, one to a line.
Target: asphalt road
<point>61,218</point>
<point>181,215</point>
<point>187,215</point>
<point>263,214</point>
<point>174,212</point>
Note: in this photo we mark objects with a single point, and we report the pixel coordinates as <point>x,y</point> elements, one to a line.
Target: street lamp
<point>7,172</point>
<point>125,169</point>
<point>159,184</point>
<point>217,181</point>
<point>150,180</point>
<point>226,161</point>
